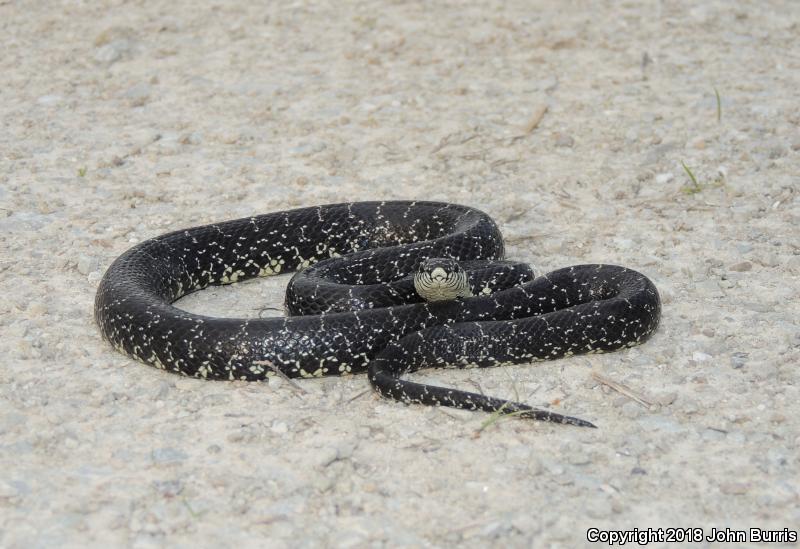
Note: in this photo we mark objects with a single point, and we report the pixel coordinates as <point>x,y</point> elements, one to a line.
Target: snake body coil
<point>350,320</point>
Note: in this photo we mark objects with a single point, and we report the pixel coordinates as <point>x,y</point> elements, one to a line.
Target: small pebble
<point>698,143</point>
<point>769,259</point>
<point>632,410</point>
<point>114,51</point>
<point>689,406</point>
<point>138,94</point>
<point>168,488</point>
<point>599,509</point>
<point>699,356</point>
<point>348,538</point>
<point>563,140</point>
<point>168,455</point>
<point>229,137</point>
<point>664,178</point>
<point>733,488</point>
<point>658,152</point>
<point>711,435</point>
<point>741,267</point>
<point>37,309</point>
<point>778,418</point>
<point>193,138</point>
<point>579,457</point>
<point>275,382</point>
<point>49,99</point>
<point>279,427</point>
<point>776,151</point>
<point>793,264</point>
<point>14,488</point>
<point>85,264</point>
<point>325,456</point>
<point>738,360</point>
<point>308,149</point>
<point>709,287</point>
<point>162,391</point>
<point>759,307</point>
<point>665,399</point>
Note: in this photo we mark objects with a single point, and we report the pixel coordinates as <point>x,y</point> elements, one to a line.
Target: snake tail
<point>408,354</point>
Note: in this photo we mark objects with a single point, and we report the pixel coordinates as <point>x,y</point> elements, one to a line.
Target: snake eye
<point>440,267</point>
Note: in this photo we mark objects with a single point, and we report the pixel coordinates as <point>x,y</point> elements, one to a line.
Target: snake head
<point>440,279</point>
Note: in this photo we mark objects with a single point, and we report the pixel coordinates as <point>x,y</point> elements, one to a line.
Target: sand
<point>573,124</point>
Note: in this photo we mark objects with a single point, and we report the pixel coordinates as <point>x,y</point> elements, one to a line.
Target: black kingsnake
<point>347,251</point>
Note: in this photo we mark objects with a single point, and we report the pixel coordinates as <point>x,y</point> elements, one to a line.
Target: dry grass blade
<point>477,386</point>
<point>453,139</point>
<point>536,118</point>
<point>494,417</point>
<point>622,389</point>
<point>533,123</point>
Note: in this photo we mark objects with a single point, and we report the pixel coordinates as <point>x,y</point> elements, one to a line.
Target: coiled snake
<point>347,320</point>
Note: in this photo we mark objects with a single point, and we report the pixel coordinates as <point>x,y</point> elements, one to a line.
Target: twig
<point>450,140</point>
<point>623,389</point>
<point>262,310</point>
<point>518,239</point>
<point>280,374</point>
<point>359,395</point>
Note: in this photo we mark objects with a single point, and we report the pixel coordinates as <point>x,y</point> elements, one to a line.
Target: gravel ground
<point>567,122</point>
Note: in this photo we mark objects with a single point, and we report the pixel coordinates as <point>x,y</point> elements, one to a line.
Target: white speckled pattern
<point>582,309</point>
